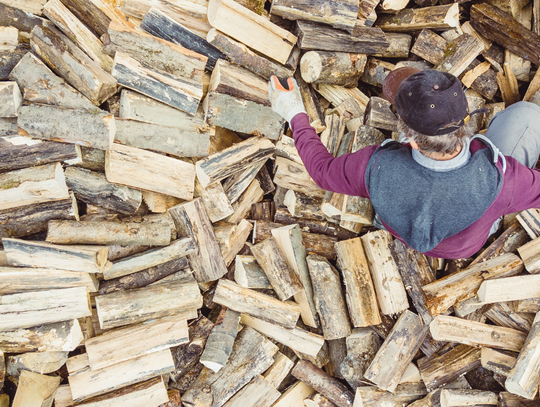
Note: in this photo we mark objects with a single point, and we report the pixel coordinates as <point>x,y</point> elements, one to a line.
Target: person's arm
<point>344,174</point>
<point>525,193</point>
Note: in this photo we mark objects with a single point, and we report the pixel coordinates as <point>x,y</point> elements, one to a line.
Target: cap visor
<point>394,79</point>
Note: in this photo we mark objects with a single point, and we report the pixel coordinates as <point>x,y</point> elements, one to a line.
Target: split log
<point>237,114</point>
<point>17,280</point>
<point>215,200</point>
<point>314,243</point>
<point>191,14</point>
<point>389,286</point>
<point>19,152</point>
<point>359,290</point>
<point>442,17</point>
<point>289,241</point>
<point>323,383</point>
<point>379,114</point>
<point>155,52</point>
<point>460,53</point>
<point>179,248</point>
<point>284,279</point>
<point>362,346</point>
<point>529,253</point>
<point>77,32</point>
<point>255,31</point>
<point>240,54</point>
<point>291,175</point>
<point>93,159</point>
<point>59,124</point>
<point>109,233</point>
<point>142,169</point>
<point>463,284</point>
<point>430,46</point>
<point>258,393</point>
<point>451,398</point>
<point>159,203</point>
<point>43,307</point>
<point>530,221</point>
<point>294,395</point>
<point>10,99</point>
<point>34,185</point>
<point>59,336</point>
<point>339,94</point>
<point>453,329</point>
<point>35,390</point>
<point>523,378</point>
<point>316,36</point>
<point>507,399</point>
<point>342,14</point>
<point>30,219</point>
<point>296,338</point>
<point>8,126</point>
<point>303,206</point>
<point>508,86</point>
<point>249,274</point>
<point>279,370</point>
<point>81,72</point>
<point>496,25</point>
<point>496,361</point>
<point>237,235</point>
<point>317,400</point>
<point>93,188</point>
<point>192,221</point>
<point>251,195</point>
<point>403,395</point>
<point>333,68</point>
<point>9,59</point>
<point>328,298</point>
<point>111,348</point>
<point>181,93</point>
<point>230,79</point>
<point>171,140</point>
<point>312,106</point>
<point>92,383</point>
<point>221,165</point>
<point>220,341</point>
<point>31,9</point>
<point>263,211</point>
<point>255,304</point>
<point>141,304</point>
<point>237,183</point>
<point>399,348</point>
<point>163,25</point>
<point>440,370</point>
<point>509,289</point>
<point>37,362</point>
<point>90,259</point>
<point>145,277</point>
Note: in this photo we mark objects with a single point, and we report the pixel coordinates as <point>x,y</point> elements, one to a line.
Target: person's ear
<point>413,143</point>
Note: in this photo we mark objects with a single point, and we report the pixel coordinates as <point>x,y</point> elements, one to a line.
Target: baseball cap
<point>430,102</point>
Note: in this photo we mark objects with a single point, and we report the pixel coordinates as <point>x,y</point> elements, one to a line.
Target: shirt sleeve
<point>344,174</point>
<point>525,193</point>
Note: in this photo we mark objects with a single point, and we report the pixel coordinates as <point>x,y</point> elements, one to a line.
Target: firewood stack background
<point>163,244</point>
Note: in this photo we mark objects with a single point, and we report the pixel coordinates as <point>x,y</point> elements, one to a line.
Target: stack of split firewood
<point>163,244</point>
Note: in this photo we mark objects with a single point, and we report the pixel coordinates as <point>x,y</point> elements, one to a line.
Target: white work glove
<point>285,102</point>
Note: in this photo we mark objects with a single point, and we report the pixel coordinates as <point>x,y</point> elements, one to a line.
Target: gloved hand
<point>285,102</point>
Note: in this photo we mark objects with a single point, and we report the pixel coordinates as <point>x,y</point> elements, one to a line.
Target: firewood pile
<point>163,244</point>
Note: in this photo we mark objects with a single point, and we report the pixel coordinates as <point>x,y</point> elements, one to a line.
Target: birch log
<point>18,279</point>
<point>333,68</point>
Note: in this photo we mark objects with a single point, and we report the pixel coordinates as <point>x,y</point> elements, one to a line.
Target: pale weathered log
<point>530,221</point>
<point>279,370</point>
<point>403,395</point>
<point>90,259</point>
<point>67,232</point>
<point>37,362</point>
<point>35,390</point>
<point>362,346</point>
<point>92,383</point>
<point>219,344</point>
<point>389,286</point>
<point>142,169</point>
<point>291,175</point>
<point>9,59</point>
<point>221,165</point>
<point>450,398</point>
<point>339,94</point>
<point>379,114</point>
<point>507,399</point>
<point>30,7</point>
<point>243,300</point>
<point>146,303</point>
<point>294,395</point>
<point>328,298</point>
<point>43,307</point>
<point>237,183</point>
<point>496,25</point>
<point>463,284</point>
<point>81,72</point>
<point>237,114</point>
<point>181,93</point>
<point>397,351</point>
<point>258,393</point>
<point>439,370</point>
<point>430,46</point>
<point>324,384</point>
<point>312,106</point>
<point>75,30</point>
<point>453,329</point>
<point>251,29</point>
<point>242,55</point>
<point>215,200</point>
<point>8,126</point>
<point>17,279</point>
<point>523,378</point>
<point>509,289</point>
<point>333,68</point>
<point>163,25</point>
<point>359,290</point>
<point>340,14</point>
<point>249,274</point>
<point>10,99</point>
<point>529,253</point>
<point>155,52</point>
<point>435,18</point>
<point>192,221</point>
<point>236,237</point>
<point>497,361</point>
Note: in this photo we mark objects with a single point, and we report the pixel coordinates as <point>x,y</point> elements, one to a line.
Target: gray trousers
<point>516,132</point>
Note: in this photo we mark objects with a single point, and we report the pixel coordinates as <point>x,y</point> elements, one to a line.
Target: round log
<point>332,68</point>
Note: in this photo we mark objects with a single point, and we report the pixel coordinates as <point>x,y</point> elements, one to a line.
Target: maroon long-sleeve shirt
<point>346,175</point>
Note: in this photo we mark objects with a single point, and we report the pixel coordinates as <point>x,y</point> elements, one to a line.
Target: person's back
<point>442,193</point>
